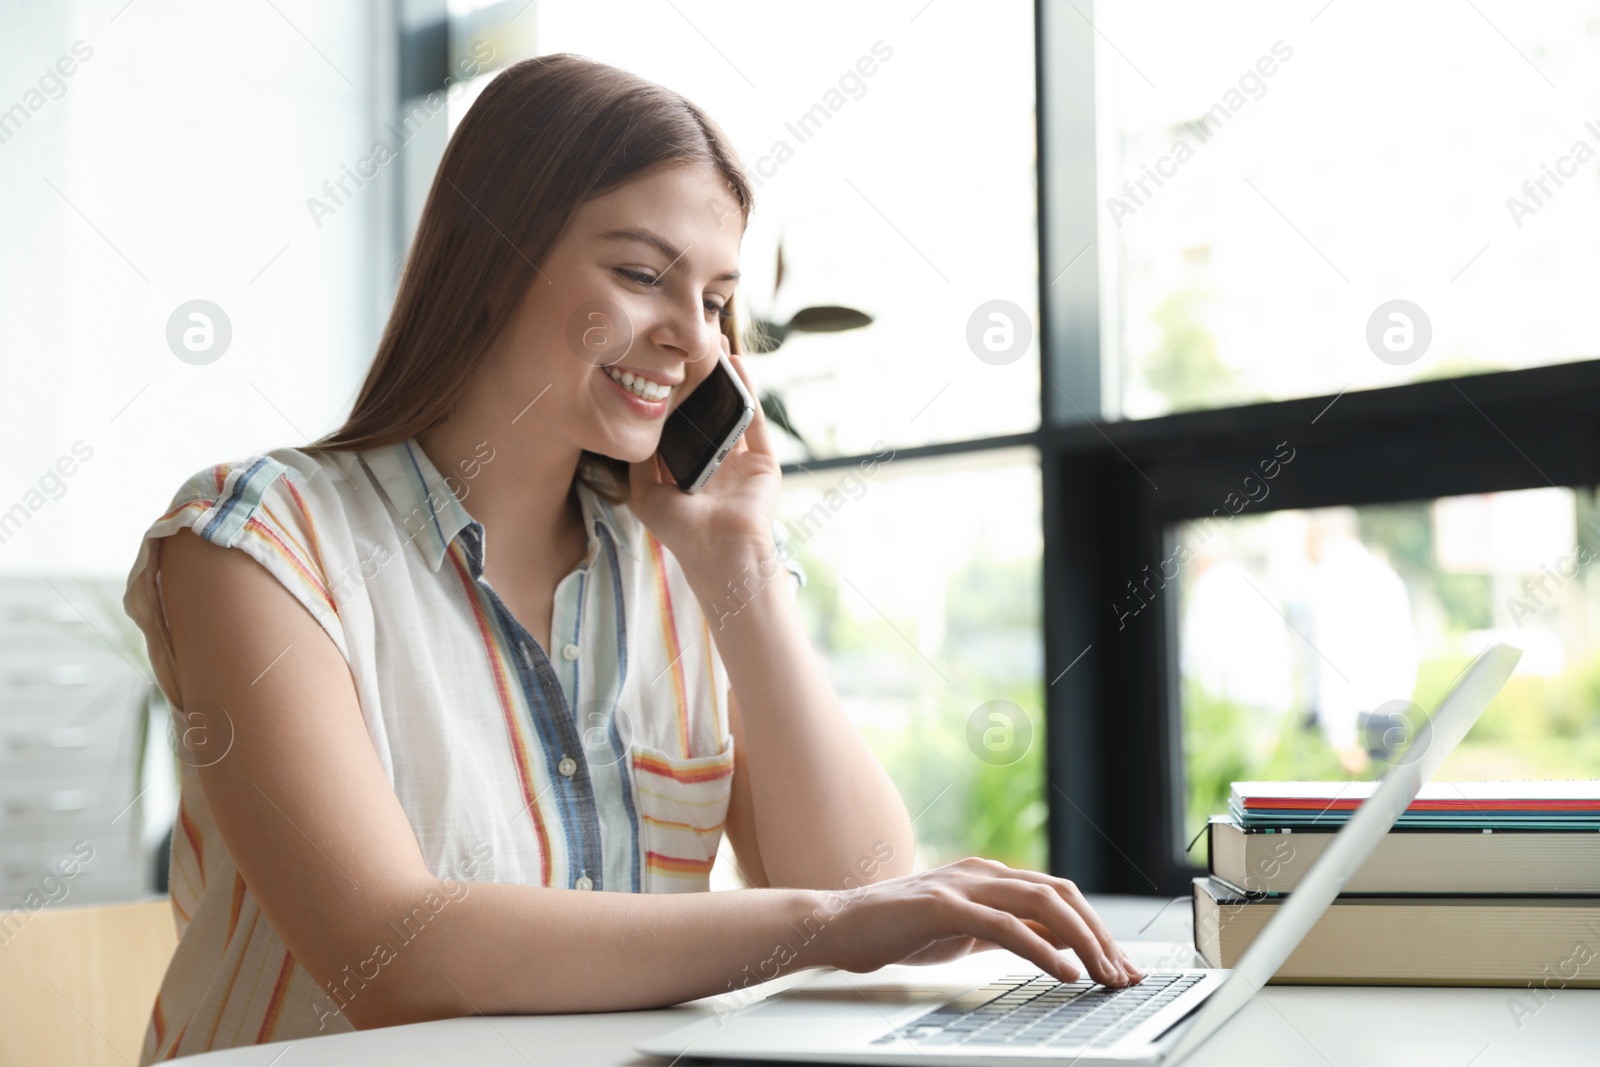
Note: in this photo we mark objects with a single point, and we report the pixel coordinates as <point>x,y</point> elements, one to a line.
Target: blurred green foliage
<point>1403,534</point>
<point>1538,727</point>
<point>969,807</point>
<point>963,806</point>
<point>1185,367</point>
<point>1225,742</point>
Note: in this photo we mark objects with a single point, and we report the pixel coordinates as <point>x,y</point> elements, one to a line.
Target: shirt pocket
<point>683,804</point>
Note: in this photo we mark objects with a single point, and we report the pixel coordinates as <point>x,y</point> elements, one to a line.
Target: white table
<point>1285,1026</point>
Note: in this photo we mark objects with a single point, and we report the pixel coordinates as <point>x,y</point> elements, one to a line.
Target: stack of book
<point>1478,883</point>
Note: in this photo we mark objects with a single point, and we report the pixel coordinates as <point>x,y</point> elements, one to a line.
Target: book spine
<point>1508,943</point>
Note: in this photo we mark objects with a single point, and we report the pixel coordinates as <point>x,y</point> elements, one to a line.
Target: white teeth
<point>639,386</point>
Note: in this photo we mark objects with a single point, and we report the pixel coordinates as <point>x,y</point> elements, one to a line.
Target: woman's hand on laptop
<point>971,905</point>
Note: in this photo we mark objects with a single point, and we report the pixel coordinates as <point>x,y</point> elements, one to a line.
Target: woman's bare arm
<point>811,806</point>
<point>816,807</point>
<point>320,838</point>
<point>740,825</point>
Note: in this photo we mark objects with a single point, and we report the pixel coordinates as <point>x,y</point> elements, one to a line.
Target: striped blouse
<point>604,765</point>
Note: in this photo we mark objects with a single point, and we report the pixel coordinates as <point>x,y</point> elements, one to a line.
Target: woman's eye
<point>652,281</point>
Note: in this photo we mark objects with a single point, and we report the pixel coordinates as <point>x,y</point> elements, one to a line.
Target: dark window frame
<point>1115,761</point>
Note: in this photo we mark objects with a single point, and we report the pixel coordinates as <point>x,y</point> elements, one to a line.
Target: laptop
<point>994,1012</point>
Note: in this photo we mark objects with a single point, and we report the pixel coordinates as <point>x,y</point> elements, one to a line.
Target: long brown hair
<point>545,136</point>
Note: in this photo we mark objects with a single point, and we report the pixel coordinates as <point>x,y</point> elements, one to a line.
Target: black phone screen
<point>699,425</point>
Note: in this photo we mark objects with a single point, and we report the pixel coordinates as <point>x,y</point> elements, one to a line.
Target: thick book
<point>1546,942</point>
<point>1429,861</point>
<point>1529,805</point>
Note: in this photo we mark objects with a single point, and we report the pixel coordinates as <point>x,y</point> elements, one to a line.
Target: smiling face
<point>623,317</point>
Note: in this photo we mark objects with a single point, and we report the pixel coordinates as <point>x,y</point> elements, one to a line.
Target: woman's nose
<point>685,330</point>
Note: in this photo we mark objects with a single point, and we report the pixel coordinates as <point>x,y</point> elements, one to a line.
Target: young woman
<point>468,692</point>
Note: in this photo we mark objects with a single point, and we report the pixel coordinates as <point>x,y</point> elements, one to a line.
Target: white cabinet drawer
<point>47,808</point>
<point>31,860</point>
<point>80,743</point>
<point>115,865</point>
<point>75,608</point>
<point>57,680</point>
<point>73,682</point>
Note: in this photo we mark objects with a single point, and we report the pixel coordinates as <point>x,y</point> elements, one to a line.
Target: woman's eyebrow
<point>646,237</point>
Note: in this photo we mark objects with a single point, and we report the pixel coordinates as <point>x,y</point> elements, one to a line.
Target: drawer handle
<point>60,674</point>
<point>60,737</point>
<point>55,613</point>
<point>68,737</point>
<point>69,800</point>
<point>62,800</point>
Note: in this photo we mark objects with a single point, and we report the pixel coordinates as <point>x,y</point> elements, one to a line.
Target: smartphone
<point>703,429</point>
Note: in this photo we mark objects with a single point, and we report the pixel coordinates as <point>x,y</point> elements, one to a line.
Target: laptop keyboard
<point>1038,1011</point>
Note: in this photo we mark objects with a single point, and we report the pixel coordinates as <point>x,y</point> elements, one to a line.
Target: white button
<point>569,652</point>
<point>568,766</point>
<point>584,882</point>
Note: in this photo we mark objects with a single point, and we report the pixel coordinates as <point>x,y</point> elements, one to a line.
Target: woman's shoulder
<point>278,507</point>
<point>285,507</point>
<point>280,471</point>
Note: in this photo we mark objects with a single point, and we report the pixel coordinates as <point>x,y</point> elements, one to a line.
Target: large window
<point>1321,419</point>
<point>923,597</point>
<point>1272,175</point>
<point>895,179</point>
